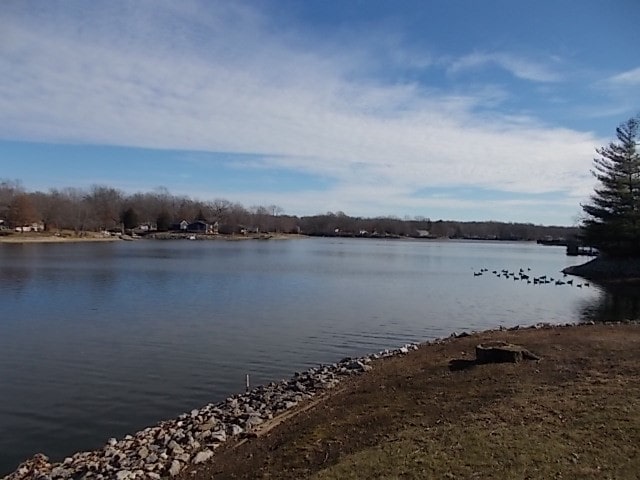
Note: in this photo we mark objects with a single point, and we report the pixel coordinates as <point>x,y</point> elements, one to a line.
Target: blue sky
<point>453,109</point>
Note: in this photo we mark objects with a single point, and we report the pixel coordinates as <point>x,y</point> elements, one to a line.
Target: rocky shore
<point>164,450</point>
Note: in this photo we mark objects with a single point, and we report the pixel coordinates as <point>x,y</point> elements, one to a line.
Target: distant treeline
<point>104,208</point>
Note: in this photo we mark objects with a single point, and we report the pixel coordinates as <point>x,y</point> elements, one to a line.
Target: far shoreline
<point>17,239</point>
<point>10,237</point>
<point>46,238</point>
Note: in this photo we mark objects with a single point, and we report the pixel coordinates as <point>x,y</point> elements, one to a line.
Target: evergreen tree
<point>163,222</point>
<point>613,215</point>
<point>200,217</point>
<point>129,218</point>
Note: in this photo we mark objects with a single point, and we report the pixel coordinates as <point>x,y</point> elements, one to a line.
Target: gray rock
<point>143,453</point>
<point>202,456</point>
<point>58,471</point>
<point>124,475</point>
<point>175,468</point>
<point>203,435</point>
<point>218,436</point>
<point>208,425</point>
<point>174,447</point>
<point>253,421</point>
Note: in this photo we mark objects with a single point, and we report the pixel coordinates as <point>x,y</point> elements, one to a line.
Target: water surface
<point>100,340</point>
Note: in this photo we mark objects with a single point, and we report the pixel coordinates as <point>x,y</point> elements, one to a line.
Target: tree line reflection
<point>618,302</point>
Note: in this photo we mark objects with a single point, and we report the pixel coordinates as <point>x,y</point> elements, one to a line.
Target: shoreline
<point>177,445</point>
<point>30,237</point>
<point>16,239</point>
<point>45,238</point>
<point>607,270</point>
<point>192,438</point>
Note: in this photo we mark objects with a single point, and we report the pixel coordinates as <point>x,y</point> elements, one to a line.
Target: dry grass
<point>574,415</point>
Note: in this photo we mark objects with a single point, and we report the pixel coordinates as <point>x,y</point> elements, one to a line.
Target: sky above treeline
<point>453,109</point>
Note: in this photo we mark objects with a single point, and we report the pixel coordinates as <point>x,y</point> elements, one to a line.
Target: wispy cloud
<point>220,79</point>
<point>617,96</point>
<point>518,66</point>
<point>627,79</point>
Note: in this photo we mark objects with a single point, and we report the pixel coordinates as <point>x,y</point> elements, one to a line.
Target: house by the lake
<point>32,227</point>
<point>199,226</point>
<point>179,227</point>
<point>203,227</point>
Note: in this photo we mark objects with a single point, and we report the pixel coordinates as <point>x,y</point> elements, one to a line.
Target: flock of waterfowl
<point>526,276</point>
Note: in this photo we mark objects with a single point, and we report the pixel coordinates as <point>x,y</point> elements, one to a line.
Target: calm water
<point>101,340</point>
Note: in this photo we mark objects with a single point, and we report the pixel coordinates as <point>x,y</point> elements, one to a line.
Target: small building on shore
<point>179,227</point>
<point>32,227</point>
<point>203,227</point>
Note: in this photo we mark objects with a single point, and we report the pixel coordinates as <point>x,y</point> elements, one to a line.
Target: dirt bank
<point>574,414</point>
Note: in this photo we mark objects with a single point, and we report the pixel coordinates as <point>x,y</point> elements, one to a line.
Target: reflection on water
<point>616,303</point>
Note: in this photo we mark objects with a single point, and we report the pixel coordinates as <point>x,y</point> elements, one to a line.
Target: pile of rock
<point>166,449</point>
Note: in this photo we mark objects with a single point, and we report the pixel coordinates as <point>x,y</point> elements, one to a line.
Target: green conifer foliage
<point>613,214</point>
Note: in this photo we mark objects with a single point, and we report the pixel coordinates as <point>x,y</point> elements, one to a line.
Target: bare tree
<point>22,211</point>
<point>220,209</point>
<point>51,207</point>
<point>261,217</point>
<point>76,210</point>
<point>8,190</point>
<point>186,209</point>
<point>236,216</point>
<point>105,203</point>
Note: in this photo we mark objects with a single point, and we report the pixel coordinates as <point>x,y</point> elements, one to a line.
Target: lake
<point>101,340</point>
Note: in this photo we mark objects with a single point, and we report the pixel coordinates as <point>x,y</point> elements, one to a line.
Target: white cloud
<point>168,75</point>
<point>628,78</point>
<point>519,67</point>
